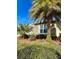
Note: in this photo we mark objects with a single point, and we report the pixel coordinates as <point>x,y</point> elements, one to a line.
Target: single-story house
<point>42,29</point>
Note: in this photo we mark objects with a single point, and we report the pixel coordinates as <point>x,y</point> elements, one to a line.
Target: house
<point>42,29</point>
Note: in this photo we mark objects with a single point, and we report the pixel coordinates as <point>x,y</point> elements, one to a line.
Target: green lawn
<point>39,49</point>
<point>24,43</point>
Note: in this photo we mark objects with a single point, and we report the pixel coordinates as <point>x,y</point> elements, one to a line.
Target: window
<point>43,29</point>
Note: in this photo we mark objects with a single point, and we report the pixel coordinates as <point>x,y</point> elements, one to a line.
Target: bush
<point>37,52</point>
<point>32,37</point>
<point>25,36</point>
<point>44,36</point>
<point>41,36</point>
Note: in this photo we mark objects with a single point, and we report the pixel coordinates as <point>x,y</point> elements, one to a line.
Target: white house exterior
<point>42,29</point>
<point>37,29</point>
<point>58,31</point>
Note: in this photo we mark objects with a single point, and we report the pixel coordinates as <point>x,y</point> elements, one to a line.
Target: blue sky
<point>23,7</point>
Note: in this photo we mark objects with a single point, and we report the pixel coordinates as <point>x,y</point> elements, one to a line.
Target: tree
<point>23,28</point>
<point>44,11</point>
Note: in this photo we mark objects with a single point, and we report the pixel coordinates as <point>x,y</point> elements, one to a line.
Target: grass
<point>38,49</point>
<point>24,43</point>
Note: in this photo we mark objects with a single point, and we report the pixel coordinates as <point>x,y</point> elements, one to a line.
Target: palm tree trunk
<point>49,31</point>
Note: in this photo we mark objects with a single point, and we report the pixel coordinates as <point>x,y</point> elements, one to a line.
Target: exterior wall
<point>36,29</point>
<point>57,30</point>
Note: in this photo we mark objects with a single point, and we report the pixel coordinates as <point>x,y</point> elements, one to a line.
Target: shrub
<point>32,37</point>
<point>41,36</point>
<point>37,52</point>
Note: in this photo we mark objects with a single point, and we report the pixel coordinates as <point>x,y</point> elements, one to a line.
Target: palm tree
<point>44,11</point>
<point>23,28</point>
